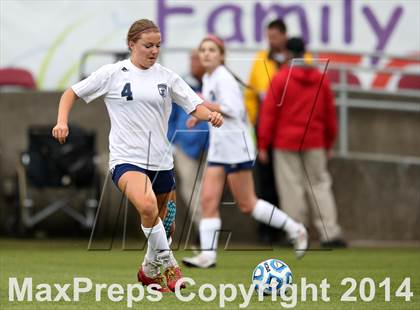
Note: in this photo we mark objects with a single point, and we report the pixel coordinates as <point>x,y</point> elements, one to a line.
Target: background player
<point>231,154</point>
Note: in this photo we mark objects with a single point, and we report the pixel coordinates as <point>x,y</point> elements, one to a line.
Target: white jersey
<point>139,103</point>
<point>232,142</point>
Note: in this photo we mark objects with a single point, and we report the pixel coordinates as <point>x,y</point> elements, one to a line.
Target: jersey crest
<point>212,96</point>
<point>163,90</point>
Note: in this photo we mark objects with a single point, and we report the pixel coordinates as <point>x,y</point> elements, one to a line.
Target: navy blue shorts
<point>162,181</point>
<point>231,168</point>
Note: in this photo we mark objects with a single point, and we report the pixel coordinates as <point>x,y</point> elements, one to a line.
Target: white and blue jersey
<point>139,103</point>
<point>231,143</point>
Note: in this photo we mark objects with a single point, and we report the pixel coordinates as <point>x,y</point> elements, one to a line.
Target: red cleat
<point>173,275</point>
<point>159,279</point>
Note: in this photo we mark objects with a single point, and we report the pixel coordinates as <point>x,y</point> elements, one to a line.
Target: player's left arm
<point>212,106</point>
<point>202,113</point>
<point>184,96</point>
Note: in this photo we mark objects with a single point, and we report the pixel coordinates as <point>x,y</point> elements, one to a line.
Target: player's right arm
<point>61,129</point>
<point>94,86</point>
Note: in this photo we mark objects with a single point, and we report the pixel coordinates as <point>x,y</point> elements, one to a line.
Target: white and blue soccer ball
<point>271,274</point>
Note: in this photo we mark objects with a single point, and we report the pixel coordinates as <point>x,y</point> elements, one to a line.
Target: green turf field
<point>60,261</point>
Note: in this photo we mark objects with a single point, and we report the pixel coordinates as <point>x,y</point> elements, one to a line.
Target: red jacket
<point>290,119</point>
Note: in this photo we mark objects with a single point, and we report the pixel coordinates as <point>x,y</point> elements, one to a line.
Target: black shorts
<point>230,168</point>
<point>162,181</point>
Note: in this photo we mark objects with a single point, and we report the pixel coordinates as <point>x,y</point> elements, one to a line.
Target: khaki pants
<point>186,169</point>
<point>292,170</point>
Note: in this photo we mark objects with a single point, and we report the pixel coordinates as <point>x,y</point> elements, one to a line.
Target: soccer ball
<point>271,274</point>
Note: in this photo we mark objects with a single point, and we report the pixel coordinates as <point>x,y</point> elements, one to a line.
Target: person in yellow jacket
<point>265,65</point>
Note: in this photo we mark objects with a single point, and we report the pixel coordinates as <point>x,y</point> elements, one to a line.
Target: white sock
<point>209,234</point>
<point>150,254</point>
<point>156,237</point>
<point>268,214</point>
<point>150,268</point>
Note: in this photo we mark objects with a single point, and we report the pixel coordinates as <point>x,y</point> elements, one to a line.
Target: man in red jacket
<point>298,120</point>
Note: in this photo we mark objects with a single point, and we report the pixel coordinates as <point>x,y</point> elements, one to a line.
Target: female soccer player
<point>138,95</point>
<point>231,154</point>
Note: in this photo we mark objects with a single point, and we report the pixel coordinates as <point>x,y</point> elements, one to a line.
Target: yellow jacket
<point>259,80</point>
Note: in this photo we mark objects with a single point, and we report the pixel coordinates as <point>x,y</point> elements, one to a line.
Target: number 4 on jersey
<point>126,92</point>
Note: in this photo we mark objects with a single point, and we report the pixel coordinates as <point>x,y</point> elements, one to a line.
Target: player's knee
<point>147,206</point>
<point>209,207</point>
<point>206,200</point>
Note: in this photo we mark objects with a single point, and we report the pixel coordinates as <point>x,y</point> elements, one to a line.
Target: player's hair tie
<point>215,39</point>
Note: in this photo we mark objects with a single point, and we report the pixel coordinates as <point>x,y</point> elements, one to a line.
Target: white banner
<point>49,37</point>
